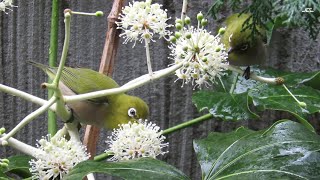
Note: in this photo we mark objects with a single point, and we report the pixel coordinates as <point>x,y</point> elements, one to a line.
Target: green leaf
<point>19,165</point>
<point>313,81</point>
<point>144,168</point>
<point>3,176</point>
<point>287,150</point>
<point>277,98</point>
<point>224,105</point>
<point>246,93</point>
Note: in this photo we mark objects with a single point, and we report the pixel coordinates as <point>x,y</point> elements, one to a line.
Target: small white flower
<point>135,140</point>
<point>203,56</point>
<point>58,157</point>
<point>141,20</point>
<point>6,5</point>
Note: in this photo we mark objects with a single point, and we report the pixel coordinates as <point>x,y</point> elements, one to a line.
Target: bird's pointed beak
<point>230,50</point>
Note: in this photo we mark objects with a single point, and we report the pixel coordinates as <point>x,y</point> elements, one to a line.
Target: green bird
<point>242,49</point>
<point>107,111</point>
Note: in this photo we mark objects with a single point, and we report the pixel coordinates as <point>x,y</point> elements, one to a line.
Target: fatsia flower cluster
<point>57,158</point>
<point>142,20</point>
<point>203,55</point>
<point>136,140</point>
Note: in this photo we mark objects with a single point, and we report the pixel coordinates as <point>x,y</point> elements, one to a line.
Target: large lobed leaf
<point>144,168</point>
<point>238,104</point>
<point>287,150</point>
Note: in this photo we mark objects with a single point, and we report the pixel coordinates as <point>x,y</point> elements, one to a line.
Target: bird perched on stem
<point>243,50</point>
<point>108,111</point>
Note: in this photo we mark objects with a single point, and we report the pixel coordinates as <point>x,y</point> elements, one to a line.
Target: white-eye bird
<point>242,49</point>
<point>106,112</point>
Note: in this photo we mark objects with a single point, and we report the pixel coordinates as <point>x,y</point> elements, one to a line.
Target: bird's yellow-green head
<point>242,49</point>
<point>126,108</point>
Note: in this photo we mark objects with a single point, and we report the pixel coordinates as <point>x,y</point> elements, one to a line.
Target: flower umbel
<point>203,55</point>
<point>59,156</point>
<point>143,19</point>
<point>6,5</point>
<point>135,140</point>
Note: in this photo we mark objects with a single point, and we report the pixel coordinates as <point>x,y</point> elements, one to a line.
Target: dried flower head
<point>141,20</point>
<point>203,55</point>
<point>135,140</point>
<point>58,157</point>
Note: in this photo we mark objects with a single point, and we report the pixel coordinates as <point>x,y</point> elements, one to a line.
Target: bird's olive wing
<point>81,80</point>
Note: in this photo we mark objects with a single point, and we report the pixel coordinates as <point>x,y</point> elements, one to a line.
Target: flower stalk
<point>22,147</point>
<point>148,56</point>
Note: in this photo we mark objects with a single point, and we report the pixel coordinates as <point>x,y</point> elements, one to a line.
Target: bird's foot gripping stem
<point>71,119</point>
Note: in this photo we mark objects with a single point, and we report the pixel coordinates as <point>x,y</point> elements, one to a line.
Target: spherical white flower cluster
<point>203,55</point>
<point>6,4</point>
<point>58,157</point>
<point>145,19</point>
<point>135,140</point>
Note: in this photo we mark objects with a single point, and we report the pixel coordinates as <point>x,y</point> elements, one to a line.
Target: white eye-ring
<point>132,112</point>
<point>230,37</point>
<point>244,47</point>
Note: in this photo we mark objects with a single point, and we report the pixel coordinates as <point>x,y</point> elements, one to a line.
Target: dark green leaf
<point>144,168</point>
<point>313,81</point>
<point>277,98</point>
<point>224,105</point>
<point>287,150</point>
<point>3,176</point>
<point>19,165</point>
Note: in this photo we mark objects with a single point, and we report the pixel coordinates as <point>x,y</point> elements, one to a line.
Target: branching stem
<point>28,119</point>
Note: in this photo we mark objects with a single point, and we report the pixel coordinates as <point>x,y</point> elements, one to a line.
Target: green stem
<point>62,110</point>
<point>53,52</point>
<point>102,156</point>
<point>187,124</point>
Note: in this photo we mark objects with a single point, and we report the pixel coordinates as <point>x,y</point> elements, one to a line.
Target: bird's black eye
<point>132,112</point>
<point>244,47</point>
